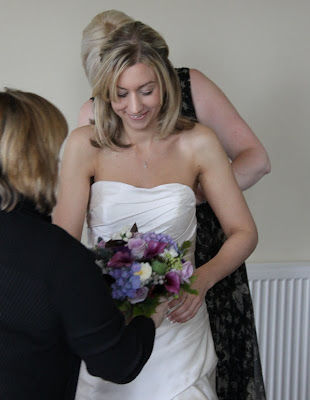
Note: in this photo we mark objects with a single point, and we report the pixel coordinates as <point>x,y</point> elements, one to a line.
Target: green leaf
<point>185,246</point>
<point>159,267</point>
<point>192,279</point>
<point>146,308</point>
<point>103,254</point>
<point>125,307</point>
<point>187,288</point>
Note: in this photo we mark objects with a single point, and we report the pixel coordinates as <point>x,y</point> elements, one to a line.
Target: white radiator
<point>281,300</point>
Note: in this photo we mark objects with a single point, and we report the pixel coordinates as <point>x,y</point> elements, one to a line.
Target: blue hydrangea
<point>126,282</point>
<point>160,237</point>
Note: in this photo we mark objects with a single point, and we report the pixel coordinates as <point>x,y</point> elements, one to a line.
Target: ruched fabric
<point>182,365</point>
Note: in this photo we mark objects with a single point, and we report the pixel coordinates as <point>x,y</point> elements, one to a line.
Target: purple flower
<point>120,282</point>
<point>153,249</point>
<point>135,281</point>
<point>172,282</point>
<point>140,295</point>
<point>160,237</point>
<point>135,267</point>
<point>101,243</point>
<point>117,293</point>
<point>126,274</point>
<point>137,247</point>
<point>115,273</point>
<point>187,271</point>
<point>120,259</point>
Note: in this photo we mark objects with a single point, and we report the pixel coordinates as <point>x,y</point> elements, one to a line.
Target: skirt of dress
<point>182,367</point>
<point>202,389</point>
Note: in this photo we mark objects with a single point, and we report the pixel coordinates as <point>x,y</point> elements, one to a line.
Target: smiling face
<point>138,98</point>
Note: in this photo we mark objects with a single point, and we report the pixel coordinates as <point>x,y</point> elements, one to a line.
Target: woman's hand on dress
<point>188,304</point>
<point>161,313</point>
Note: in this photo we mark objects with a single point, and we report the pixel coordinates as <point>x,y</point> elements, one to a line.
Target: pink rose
<point>140,295</point>
<point>187,271</point>
<point>101,243</point>
<point>137,247</point>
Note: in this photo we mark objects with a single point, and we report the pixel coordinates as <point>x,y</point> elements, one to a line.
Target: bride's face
<point>138,98</point>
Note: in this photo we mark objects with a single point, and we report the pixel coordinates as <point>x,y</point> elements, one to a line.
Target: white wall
<point>258,52</point>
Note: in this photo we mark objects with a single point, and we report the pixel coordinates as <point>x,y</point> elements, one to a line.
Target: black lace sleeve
<point>188,109</point>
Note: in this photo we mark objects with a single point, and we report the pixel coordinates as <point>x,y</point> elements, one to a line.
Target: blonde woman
<point>229,301</point>
<point>54,305</point>
<point>146,162</point>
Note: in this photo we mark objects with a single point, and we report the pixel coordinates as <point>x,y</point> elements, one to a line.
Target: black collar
<point>28,207</point>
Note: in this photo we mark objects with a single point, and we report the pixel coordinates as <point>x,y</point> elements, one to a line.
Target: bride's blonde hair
<point>133,43</point>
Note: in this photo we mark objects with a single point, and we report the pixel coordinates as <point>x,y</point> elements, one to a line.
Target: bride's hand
<point>188,304</point>
<point>161,312</point>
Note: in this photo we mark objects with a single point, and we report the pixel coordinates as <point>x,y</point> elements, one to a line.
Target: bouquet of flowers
<point>142,269</point>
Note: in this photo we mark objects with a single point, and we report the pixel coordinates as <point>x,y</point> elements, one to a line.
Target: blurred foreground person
<point>54,306</point>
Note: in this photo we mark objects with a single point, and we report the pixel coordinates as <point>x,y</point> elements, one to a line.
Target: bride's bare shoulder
<point>79,140</point>
<point>200,136</point>
<point>82,134</point>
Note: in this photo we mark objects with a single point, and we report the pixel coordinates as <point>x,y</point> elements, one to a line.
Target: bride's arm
<point>224,196</point>
<point>74,182</point>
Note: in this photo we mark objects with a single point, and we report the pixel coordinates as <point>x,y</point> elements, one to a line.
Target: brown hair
<point>32,131</point>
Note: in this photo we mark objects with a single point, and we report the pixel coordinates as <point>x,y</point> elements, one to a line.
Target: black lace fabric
<point>229,303</point>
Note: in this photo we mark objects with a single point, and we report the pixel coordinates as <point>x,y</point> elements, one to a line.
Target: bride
<point>146,162</point>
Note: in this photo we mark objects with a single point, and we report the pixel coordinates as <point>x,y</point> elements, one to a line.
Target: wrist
<point>206,276</point>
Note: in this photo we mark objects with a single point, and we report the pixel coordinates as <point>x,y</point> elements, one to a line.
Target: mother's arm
<point>77,167</point>
<point>250,161</point>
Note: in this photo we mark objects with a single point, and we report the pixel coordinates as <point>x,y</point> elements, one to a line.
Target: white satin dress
<point>183,361</point>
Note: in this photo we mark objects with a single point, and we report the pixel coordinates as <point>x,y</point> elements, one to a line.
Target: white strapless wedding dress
<point>182,365</point>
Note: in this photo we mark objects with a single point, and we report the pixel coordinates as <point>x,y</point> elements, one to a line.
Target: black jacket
<point>55,310</point>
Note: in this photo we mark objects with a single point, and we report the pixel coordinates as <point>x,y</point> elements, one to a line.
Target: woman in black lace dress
<point>229,302</point>
<point>239,375</point>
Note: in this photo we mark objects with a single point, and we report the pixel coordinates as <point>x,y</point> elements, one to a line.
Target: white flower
<point>171,251</point>
<point>124,234</point>
<point>125,230</point>
<point>116,236</point>
<point>145,271</point>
